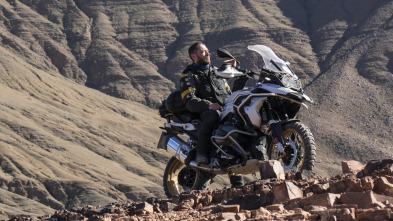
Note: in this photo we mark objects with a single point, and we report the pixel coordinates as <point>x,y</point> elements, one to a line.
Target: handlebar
<point>264,75</point>
<point>248,73</point>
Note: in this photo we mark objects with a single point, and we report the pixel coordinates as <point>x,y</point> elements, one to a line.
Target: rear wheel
<point>299,152</point>
<point>179,178</point>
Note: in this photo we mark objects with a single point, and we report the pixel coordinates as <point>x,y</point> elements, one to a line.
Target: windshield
<point>272,62</point>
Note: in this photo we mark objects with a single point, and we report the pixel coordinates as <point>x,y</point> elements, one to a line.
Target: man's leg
<point>209,120</point>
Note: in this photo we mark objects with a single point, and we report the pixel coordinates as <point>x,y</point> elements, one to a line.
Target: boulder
<point>241,216</point>
<point>351,166</point>
<point>272,169</point>
<point>250,202</point>
<point>367,183</point>
<point>382,185</point>
<point>143,208</point>
<point>374,165</point>
<point>286,191</point>
<point>338,214</point>
<point>276,208</point>
<point>338,186</point>
<point>319,188</point>
<point>229,208</point>
<point>374,214</point>
<point>325,200</point>
<point>260,212</point>
<point>364,200</point>
<point>187,204</point>
<point>314,208</point>
<point>299,214</point>
<point>226,216</point>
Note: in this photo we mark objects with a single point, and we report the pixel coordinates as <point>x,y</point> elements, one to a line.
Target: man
<point>204,93</point>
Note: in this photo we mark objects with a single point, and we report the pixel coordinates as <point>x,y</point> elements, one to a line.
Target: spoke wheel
<point>178,178</point>
<point>299,150</point>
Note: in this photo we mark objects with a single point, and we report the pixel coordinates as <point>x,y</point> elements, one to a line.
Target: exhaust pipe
<point>177,147</point>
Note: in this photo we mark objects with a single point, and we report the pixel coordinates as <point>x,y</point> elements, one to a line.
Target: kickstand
<point>255,176</point>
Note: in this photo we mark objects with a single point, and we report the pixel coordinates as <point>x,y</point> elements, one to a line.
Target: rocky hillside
<point>80,81</point>
<point>63,144</point>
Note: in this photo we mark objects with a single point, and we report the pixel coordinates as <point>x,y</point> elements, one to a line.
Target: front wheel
<point>179,178</point>
<point>299,151</point>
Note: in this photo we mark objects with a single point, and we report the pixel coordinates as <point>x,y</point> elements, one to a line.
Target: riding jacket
<point>199,87</point>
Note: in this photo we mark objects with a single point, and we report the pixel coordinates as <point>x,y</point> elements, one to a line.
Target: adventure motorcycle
<point>257,123</point>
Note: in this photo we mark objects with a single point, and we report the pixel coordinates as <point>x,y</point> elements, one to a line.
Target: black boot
<point>236,180</point>
<point>201,159</point>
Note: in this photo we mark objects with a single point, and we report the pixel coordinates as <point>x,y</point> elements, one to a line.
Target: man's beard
<point>204,61</point>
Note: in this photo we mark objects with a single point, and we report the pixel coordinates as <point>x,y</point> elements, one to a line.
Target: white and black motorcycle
<point>257,123</point>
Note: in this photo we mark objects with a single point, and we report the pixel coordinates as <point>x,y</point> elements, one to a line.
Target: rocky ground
<point>361,192</point>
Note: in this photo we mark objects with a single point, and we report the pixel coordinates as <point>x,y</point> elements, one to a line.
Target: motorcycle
<point>257,123</point>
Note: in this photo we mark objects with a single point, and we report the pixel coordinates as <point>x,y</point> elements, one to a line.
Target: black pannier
<point>172,105</point>
<point>174,109</point>
<point>175,104</point>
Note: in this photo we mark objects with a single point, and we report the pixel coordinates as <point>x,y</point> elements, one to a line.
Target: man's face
<point>201,56</point>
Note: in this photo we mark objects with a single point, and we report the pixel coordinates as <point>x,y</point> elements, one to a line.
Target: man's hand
<point>214,106</point>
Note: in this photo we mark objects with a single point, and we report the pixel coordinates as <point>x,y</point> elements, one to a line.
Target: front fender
<point>288,121</point>
<point>307,98</point>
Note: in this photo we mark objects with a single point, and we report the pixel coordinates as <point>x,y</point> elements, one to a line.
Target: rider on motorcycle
<point>204,93</point>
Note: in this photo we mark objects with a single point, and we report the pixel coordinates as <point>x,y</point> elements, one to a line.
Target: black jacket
<point>199,88</point>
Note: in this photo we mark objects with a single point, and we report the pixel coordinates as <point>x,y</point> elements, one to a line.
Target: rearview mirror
<point>222,53</point>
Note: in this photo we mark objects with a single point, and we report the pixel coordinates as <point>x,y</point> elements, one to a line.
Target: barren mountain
<point>80,81</point>
<point>63,144</point>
